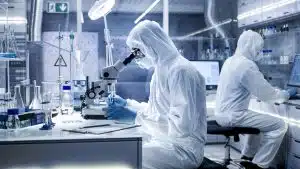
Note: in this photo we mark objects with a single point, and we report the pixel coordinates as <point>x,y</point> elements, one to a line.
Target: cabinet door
<point>294,114</point>
<point>293,146</point>
<point>293,162</point>
<point>285,10</point>
<point>255,5</point>
<point>241,23</point>
<point>268,13</point>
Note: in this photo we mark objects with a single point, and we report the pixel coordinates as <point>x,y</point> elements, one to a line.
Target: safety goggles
<point>137,53</point>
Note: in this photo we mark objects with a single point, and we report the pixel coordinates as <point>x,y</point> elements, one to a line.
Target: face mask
<point>259,56</point>
<point>145,62</point>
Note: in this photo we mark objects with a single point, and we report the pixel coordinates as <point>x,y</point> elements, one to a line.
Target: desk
<point>32,148</point>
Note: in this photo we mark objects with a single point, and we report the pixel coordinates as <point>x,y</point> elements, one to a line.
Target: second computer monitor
<point>295,74</point>
<point>210,70</point>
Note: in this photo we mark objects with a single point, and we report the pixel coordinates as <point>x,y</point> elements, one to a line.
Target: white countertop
<point>34,133</point>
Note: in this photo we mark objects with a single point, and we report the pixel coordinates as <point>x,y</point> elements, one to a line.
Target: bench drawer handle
<point>296,156</point>
<point>297,141</point>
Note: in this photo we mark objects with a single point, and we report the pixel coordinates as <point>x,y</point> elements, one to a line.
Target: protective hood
<point>153,42</point>
<point>250,45</point>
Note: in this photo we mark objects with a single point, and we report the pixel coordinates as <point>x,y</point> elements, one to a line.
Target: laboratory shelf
<point>11,59</point>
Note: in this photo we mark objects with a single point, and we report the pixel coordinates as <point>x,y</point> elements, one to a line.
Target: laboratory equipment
<point>13,121</point>
<point>36,101</point>
<point>227,53</point>
<point>18,101</point>
<point>67,100</point>
<point>210,70</point>
<point>100,9</point>
<point>91,101</point>
<point>294,80</point>
<point>47,108</point>
<point>52,89</point>
<point>78,90</point>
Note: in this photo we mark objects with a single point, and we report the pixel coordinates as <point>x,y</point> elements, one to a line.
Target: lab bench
<point>33,148</point>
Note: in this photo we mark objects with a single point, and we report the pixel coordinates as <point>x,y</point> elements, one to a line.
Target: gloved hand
<point>120,113</point>
<point>116,101</point>
<point>292,91</point>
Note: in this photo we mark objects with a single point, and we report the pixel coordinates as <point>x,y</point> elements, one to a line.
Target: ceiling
<point>139,6</point>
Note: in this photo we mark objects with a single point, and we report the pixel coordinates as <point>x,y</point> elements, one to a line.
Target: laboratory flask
<point>36,102</point>
<point>52,90</point>
<point>18,101</point>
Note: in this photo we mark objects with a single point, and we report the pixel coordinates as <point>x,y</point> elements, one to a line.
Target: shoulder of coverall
<point>183,68</point>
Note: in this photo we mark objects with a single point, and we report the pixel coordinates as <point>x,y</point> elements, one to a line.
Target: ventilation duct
<point>36,20</point>
<point>210,18</point>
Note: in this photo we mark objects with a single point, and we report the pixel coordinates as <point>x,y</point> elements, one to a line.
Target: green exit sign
<point>58,7</point>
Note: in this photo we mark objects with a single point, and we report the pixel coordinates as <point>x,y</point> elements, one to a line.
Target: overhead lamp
<point>13,20</point>
<point>101,8</point>
<point>227,21</point>
<point>147,11</point>
<point>265,8</point>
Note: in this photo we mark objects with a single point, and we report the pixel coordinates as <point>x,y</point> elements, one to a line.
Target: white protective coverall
<point>174,119</point>
<point>240,78</point>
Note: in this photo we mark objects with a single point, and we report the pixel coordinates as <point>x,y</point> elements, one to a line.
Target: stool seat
<point>208,164</point>
<point>214,128</point>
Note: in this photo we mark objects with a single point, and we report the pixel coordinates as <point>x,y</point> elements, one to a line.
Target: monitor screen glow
<point>210,70</point>
<point>295,74</point>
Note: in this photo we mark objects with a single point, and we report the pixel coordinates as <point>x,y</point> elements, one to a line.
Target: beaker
<point>18,101</point>
<point>52,90</point>
<point>36,102</point>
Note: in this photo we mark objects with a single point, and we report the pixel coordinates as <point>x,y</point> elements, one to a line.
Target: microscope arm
<point>109,76</point>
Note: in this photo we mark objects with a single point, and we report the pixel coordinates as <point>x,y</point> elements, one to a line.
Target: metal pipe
<point>213,23</point>
<point>166,16</point>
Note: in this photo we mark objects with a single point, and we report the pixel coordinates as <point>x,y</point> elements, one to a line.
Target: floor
<point>217,152</point>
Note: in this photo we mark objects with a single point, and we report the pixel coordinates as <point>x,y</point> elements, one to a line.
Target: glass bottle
<point>18,101</point>
<point>67,101</point>
<point>36,102</point>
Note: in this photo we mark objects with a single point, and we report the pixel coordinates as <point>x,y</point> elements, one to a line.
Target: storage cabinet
<point>263,10</point>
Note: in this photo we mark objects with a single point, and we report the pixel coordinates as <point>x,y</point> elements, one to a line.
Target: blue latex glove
<point>120,113</point>
<point>292,91</point>
<point>116,101</point>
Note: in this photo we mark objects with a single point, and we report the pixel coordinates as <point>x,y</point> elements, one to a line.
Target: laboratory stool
<point>215,129</point>
<point>208,164</point>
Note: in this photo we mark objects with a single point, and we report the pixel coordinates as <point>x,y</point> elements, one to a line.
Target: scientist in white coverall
<point>240,79</point>
<point>174,119</point>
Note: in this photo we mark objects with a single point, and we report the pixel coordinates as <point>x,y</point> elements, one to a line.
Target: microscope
<point>94,100</point>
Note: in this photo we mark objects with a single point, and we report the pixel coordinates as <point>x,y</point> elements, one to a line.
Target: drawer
<point>293,161</point>
<point>293,146</point>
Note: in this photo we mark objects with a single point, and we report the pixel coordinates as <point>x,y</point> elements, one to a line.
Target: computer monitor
<point>210,70</point>
<point>295,74</point>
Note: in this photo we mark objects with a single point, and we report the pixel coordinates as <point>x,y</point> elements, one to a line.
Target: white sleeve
<point>136,106</point>
<point>253,80</point>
